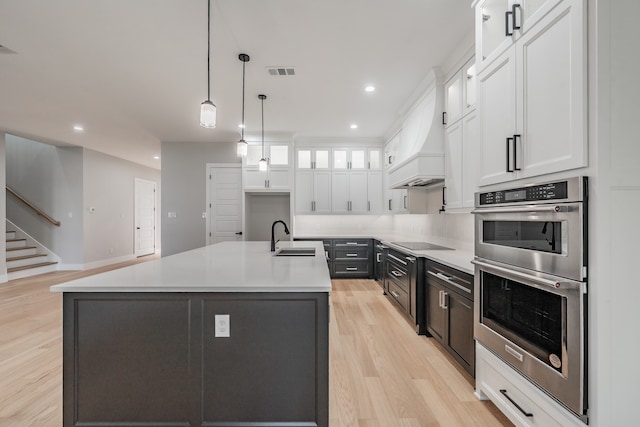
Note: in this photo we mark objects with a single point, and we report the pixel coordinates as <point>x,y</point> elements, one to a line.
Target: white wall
<point>3,213</point>
<point>184,167</point>
<point>261,210</point>
<point>109,188</point>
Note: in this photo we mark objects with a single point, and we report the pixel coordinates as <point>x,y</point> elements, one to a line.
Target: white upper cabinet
<point>499,23</point>
<point>532,102</point>
<point>276,154</point>
<point>279,173</point>
<point>338,180</point>
<point>313,158</point>
<point>460,94</point>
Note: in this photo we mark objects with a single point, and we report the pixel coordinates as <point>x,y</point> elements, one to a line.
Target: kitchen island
<point>225,335</point>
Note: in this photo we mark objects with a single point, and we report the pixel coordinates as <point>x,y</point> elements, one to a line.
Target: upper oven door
<point>546,238</point>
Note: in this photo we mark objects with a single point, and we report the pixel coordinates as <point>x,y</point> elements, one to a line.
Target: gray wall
<point>262,209</point>
<point>50,178</point>
<point>3,214</point>
<point>109,185</point>
<point>65,182</point>
<point>184,191</point>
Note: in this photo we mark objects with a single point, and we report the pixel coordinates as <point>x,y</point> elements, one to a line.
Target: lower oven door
<point>536,323</point>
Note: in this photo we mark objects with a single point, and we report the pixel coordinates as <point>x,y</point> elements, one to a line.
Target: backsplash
<point>457,228</point>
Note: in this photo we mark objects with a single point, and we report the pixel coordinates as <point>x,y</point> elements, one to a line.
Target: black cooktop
<point>421,246</point>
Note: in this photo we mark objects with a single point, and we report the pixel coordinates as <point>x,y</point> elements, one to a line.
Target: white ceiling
<point>133,72</point>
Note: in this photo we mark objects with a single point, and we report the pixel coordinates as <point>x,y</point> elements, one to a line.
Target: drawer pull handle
<point>395,294</point>
<point>352,255</point>
<point>352,243</point>
<point>397,259</point>
<point>513,353</point>
<point>397,273</point>
<point>352,268</point>
<point>526,414</point>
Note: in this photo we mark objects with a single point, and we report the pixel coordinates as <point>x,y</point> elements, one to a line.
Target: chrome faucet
<point>273,226</point>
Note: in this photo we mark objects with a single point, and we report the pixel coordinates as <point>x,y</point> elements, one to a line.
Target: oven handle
<point>523,209</point>
<point>506,271</point>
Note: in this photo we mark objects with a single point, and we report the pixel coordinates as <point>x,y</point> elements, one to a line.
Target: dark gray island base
<point>153,359</point>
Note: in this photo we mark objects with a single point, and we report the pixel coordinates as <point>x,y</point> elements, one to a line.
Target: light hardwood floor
<point>381,373</point>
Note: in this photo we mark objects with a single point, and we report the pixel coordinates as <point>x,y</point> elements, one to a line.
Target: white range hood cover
<point>420,156</point>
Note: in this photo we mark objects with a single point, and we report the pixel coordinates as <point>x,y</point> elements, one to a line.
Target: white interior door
<point>145,217</point>
<point>224,204</point>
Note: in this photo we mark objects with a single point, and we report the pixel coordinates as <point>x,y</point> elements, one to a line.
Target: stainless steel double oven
<point>531,284</point>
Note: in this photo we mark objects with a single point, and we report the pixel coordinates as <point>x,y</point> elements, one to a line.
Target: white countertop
<point>224,267</point>
<point>459,258</point>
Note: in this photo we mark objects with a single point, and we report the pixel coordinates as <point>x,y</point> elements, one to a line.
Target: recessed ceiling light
<point>78,128</point>
<point>370,89</point>
<point>354,126</point>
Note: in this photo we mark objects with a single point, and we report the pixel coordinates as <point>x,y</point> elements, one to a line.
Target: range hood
<point>420,151</point>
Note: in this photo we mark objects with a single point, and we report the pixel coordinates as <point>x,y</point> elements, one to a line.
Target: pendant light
<point>262,164</point>
<point>208,108</point>
<point>242,146</point>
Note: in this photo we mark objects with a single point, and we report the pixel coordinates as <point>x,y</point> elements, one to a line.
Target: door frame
<point>208,202</point>
<point>136,218</point>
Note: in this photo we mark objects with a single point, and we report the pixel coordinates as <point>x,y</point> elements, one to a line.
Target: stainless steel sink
<point>296,251</point>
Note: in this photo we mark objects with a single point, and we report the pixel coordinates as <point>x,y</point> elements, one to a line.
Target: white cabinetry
<point>338,180</point>
<point>461,140</point>
<point>521,401</point>
<point>313,191</point>
<point>532,89</point>
<point>278,174</point>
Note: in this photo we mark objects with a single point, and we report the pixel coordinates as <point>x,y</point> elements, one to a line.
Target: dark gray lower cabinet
<point>153,359</point>
<point>404,283</point>
<point>348,258</point>
<point>449,311</point>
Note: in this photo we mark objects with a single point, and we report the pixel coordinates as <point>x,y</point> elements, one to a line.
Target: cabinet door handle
<point>444,117</point>
<point>506,23</point>
<point>369,206</point>
<point>378,257</point>
<point>389,204</point>
<point>525,413</point>
<point>445,298</point>
<point>515,152</point>
<point>440,299</point>
<point>313,165</point>
<point>405,202</point>
<point>326,254</point>
<point>508,156</point>
<point>514,15</point>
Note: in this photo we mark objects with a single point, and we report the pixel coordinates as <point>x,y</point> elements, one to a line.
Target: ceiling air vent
<point>281,71</point>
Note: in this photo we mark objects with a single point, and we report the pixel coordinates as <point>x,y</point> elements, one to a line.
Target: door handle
<point>238,233</point>
<point>137,228</point>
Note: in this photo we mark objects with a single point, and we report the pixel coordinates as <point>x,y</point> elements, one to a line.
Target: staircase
<point>26,258</point>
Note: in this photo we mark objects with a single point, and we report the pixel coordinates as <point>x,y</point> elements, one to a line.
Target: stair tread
<point>21,248</point>
<point>26,267</point>
<point>17,258</point>
<point>16,240</point>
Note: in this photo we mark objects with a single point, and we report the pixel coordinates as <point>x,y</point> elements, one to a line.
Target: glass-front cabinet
<point>276,154</point>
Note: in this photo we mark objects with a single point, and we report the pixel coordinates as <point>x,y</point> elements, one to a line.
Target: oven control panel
<point>532,193</point>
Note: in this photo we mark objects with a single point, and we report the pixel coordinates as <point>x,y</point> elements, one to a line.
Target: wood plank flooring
<point>381,373</point>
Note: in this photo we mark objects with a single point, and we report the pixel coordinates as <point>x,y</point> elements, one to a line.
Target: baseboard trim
<point>4,278</point>
<point>97,264</point>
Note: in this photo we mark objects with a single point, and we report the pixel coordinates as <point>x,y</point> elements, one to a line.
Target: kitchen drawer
<point>399,274</point>
<point>351,253</point>
<point>352,242</point>
<point>399,295</point>
<point>496,380</point>
<point>358,268</point>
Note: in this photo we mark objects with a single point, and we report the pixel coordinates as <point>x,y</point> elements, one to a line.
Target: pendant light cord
<point>262,103</point>
<point>208,50</point>
<point>243,65</point>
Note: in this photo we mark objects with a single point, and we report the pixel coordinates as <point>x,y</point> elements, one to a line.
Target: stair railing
<point>34,208</point>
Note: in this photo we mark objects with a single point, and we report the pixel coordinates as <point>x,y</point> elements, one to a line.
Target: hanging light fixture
<point>208,108</point>
<point>242,144</point>
<point>262,164</point>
